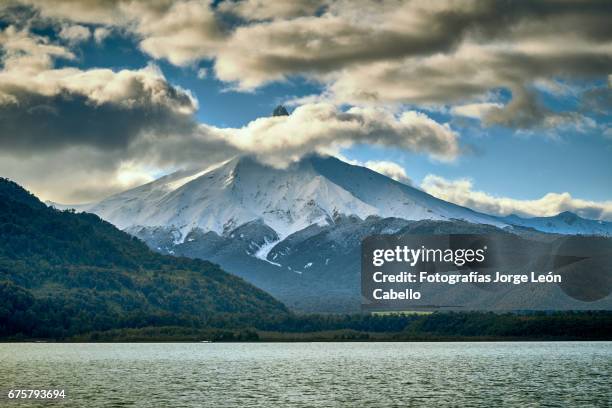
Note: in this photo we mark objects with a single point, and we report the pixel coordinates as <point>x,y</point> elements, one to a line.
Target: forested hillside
<point>63,273</point>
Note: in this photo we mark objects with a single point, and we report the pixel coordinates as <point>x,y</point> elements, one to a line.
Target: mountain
<point>315,190</point>
<point>280,110</point>
<point>63,273</point>
<point>563,223</point>
<point>317,269</point>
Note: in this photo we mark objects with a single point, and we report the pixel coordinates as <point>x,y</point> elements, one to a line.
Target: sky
<point>500,106</point>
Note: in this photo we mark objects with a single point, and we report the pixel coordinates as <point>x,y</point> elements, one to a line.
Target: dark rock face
<point>280,110</point>
<point>317,269</point>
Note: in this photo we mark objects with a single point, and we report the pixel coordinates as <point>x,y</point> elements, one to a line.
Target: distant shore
<point>554,326</point>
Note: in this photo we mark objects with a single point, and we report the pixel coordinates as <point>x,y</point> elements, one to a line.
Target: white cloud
<point>202,73</point>
<point>462,192</point>
<point>365,53</point>
<point>74,175</point>
<point>182,33</point>
<point>323,127</point>
<point>475,110</point>
<point>74,34</point>
<point>28,54</point>
<point>389,169</point>
<point>100,34</point>
<point>82,11</point>
<point>28,68</point>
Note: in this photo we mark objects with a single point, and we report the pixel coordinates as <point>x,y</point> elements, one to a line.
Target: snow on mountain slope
<point>563,223</point>
<point>392,198</point>
<point>314,190</point>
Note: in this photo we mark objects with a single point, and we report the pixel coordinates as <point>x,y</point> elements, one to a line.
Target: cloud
<point>73,175</point>
<point>251,10</point>
<point>100,34</point>
<point>418,37</point>
<point>202,73</point>
<point>525,111</point>
<point>430,54</point>
<point>274,140</point>
<point>70,133</point>
<point>471,73</point>
<point>45,108</point>
<point>598,100</point>
<point>389,169</point>
<point>475,110</point>
<point>378,57</point>
<point>82,11</point>
<point>100,107</point>
<point>28,54</point>
<point>372,52</point>
<point>111,119</point>
<point>181,33</point>
<point>322,127</point>
<point>75,33</point>
<point>462,192</point>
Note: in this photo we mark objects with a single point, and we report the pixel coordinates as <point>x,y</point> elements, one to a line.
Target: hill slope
<point>63,273</point>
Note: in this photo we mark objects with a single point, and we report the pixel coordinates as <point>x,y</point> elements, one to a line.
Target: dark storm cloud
<point>526,111</point>
<point>40,122</point>
<point>365,32</point>
<point>374,52</point>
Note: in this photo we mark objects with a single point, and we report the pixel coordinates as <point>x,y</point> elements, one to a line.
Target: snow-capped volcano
<point>295,232</point>
<point>314,190</point>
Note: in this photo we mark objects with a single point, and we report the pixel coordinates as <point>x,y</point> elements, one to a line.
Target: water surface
<point>313,374</point>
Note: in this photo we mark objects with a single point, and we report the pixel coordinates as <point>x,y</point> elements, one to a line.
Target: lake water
<point>572,374</point>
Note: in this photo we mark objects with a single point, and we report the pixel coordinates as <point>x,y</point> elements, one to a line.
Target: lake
<point>312,374</point>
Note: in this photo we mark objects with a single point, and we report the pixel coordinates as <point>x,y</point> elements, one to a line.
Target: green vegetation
<point>64,274</point>
<point>445,326</point>
<point>361,327</point>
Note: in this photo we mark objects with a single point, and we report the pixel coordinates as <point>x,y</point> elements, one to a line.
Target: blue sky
<point>543,109</point>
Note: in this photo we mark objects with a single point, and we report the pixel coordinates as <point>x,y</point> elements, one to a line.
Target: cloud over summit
<point>322,127</point>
